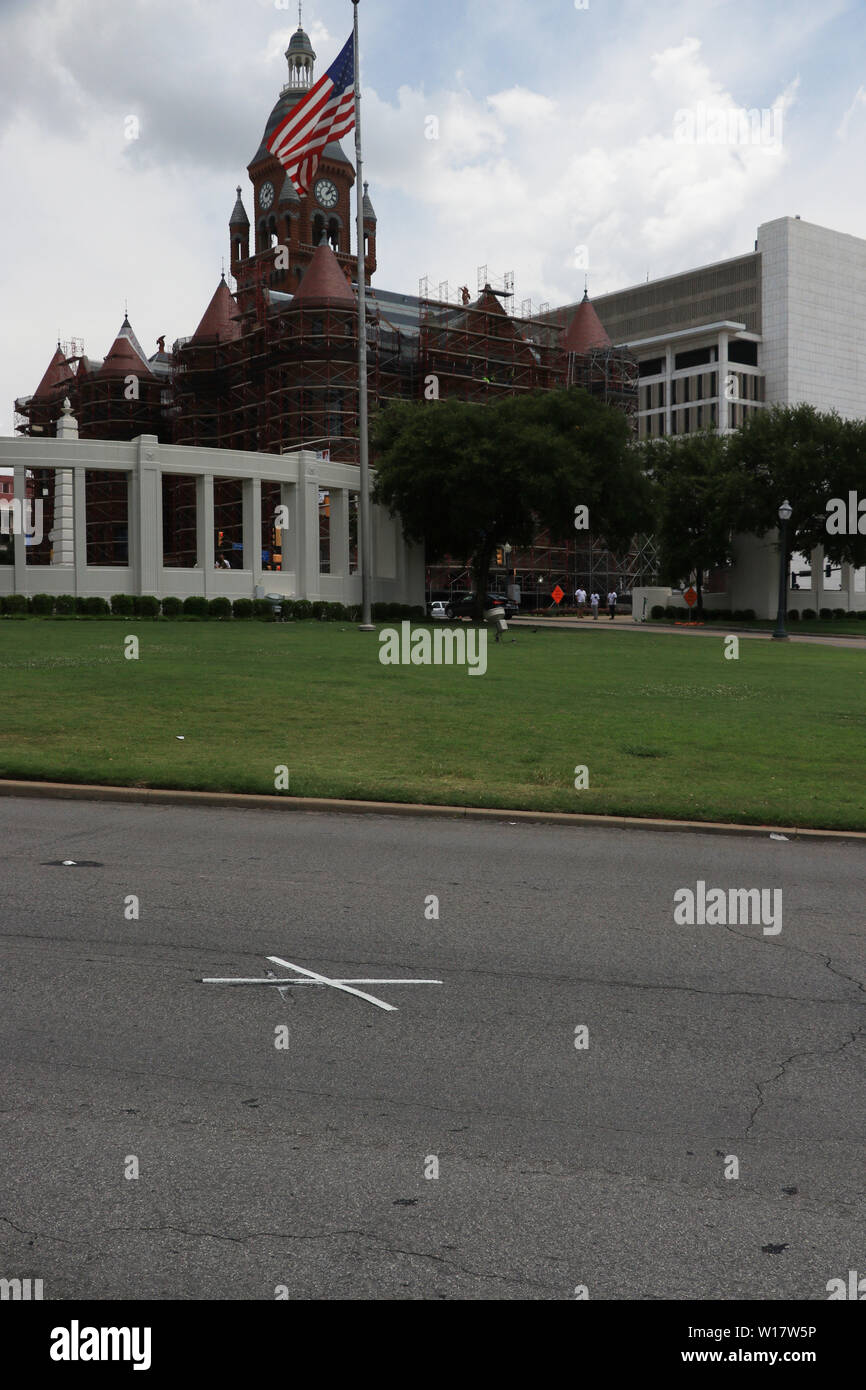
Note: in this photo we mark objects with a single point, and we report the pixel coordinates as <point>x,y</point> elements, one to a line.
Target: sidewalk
<point>625,622</point>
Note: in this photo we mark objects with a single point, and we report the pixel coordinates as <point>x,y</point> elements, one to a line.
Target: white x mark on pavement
<point>310,977</point>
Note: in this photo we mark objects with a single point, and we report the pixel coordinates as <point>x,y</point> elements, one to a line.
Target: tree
<point>467,478</point>
<point>808,457</point>
<point>692,496</point>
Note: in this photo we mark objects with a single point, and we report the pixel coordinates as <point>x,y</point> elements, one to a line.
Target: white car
<point>437,609</point>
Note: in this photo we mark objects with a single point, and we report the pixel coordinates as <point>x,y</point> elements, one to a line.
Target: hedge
<point>121,605</point>
<point>241,608</point>
<point>195,606</point>
<point>220,607</point>
<point>43,604</point>
<point>146,606</point>
<point>171,607</point>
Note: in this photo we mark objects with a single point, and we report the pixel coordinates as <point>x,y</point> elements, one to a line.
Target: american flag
<point>324,114</point>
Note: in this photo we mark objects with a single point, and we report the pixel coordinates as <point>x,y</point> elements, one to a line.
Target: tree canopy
<point>466,478</point>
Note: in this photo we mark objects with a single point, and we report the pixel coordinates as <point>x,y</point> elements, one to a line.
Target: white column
<point>79,520</point>
<point>19,540</point>
<point>147,489</point>
<point>204,530</point>
<point>846,596</point>
<point>62,552</point>
<point>723,375</point>
<point>252,527</point>
<point>669,385</point>
<point>289,534</point>
<point>340,532</point>
<point>308,529</point>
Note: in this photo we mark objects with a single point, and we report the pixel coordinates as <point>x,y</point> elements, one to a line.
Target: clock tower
<point>287,227</point>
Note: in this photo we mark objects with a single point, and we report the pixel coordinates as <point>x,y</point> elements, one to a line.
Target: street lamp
<point>780,635</point>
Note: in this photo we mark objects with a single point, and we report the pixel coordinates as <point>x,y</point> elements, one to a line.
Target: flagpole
<point>365,527</point>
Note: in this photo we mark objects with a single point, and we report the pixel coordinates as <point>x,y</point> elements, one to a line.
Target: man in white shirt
<point>580,596</point>
<point>611,604</point>
<point>593,603</point>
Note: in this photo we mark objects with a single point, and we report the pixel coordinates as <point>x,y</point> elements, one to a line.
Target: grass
<point>666,726</point>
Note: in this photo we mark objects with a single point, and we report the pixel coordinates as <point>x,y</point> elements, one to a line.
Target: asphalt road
<point>303,1168</point>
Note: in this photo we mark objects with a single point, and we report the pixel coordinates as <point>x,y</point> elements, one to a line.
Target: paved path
<point>627,623</point>
<point>305,1168</point>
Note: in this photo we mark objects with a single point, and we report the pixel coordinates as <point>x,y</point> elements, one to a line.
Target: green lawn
<point>666,726</point>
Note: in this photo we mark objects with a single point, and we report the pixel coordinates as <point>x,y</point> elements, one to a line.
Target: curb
<point>238,801</point>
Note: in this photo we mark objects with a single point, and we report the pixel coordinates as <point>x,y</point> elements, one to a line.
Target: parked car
<point>437,609</point>
<point>463,605</point>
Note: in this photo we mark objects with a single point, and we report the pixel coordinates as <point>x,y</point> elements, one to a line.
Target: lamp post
<point>780,635</point>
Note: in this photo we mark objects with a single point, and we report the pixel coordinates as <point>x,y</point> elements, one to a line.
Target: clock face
<point>326,193</point>
<point>266,195</point>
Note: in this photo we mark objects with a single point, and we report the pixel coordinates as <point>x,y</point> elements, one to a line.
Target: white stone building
<point>781,325</point>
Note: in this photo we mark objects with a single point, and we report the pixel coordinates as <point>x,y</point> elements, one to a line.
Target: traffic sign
<point>558,595</point>
<point>690,597</point>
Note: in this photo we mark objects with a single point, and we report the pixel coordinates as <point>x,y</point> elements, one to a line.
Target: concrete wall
<point>814,316</point>
<point>397,578</point>
<point>753,582</point>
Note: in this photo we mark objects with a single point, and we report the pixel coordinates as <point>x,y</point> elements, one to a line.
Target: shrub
<point>809,613</point>
<point>303,609</point>
<point>839,613</point>
<point>826,613</point>
<point>242,608</point>
<point>96,607</point>
<point>43,604</point>
<point>64,603</point>
<point>261,608</point>
<point>220,607</point>
<point>15,603</point>
<point>749,615</point>
<point>171,607</point>
<point>195,606</point>
<point>657,611</point>
<point>793,615</point>
<point>80,603</point>
<point>336,612</point>
<point>851,615</point>
<point>861,614</point>
<point>121,605</point>
<point>319,611</point>
<point>416,613</point>
<point>672,612</point>
<point>147,606</point>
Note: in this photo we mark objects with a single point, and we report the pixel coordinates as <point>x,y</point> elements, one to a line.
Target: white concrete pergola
<point>398,568</point>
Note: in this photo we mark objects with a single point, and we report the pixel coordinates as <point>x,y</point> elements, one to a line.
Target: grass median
<point>665,727</point>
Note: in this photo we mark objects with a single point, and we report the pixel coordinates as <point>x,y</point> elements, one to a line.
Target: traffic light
<point>500,556</point>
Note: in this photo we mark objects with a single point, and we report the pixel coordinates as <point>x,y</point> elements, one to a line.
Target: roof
<point>585,330</point>
<point>289,193</point>
<point>369,211</point>
<point>57,371</point>
<point>239,215</point>
<point>324,282</point>
<point>219,320</point>
<point>125,354</point>
<point>300,42</point>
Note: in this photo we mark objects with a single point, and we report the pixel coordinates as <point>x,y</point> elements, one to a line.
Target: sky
<point>561,140</point>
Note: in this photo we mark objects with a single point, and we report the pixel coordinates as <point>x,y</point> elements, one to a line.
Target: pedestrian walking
<point>593,603</point>
<point>580,597</point>
<point>611,604</point>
